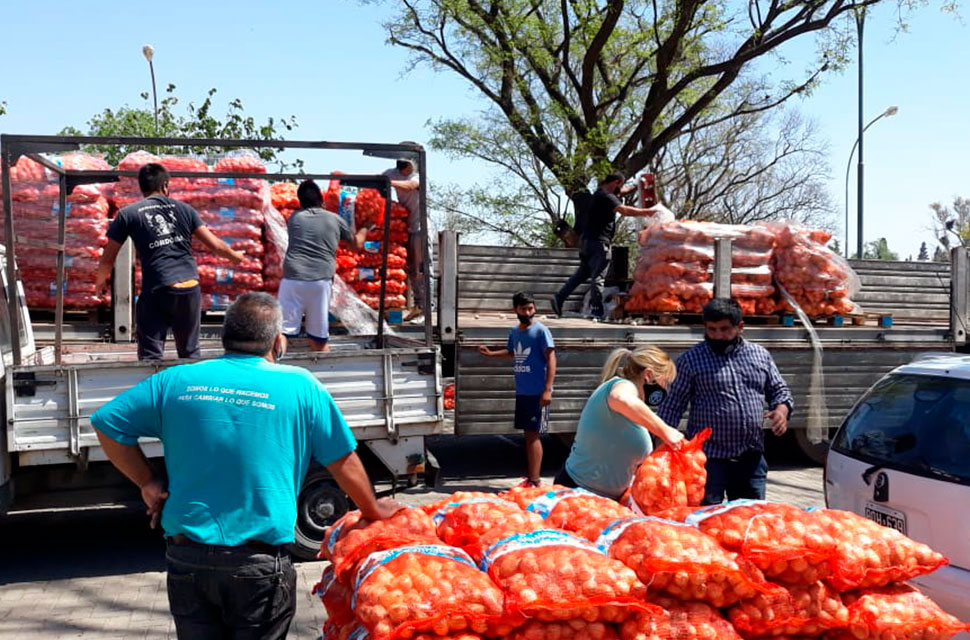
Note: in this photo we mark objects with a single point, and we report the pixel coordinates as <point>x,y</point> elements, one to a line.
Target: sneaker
<point>557,307</point>
<point>528,484</point>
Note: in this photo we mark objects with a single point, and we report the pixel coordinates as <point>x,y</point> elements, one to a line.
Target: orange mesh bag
<point>351,538</point>
<point>553,575</point>
<point>524,496</point>
<point>568,630</point>
<point>399,593</point>
<point>797,610</point>
<point>896,612</point>
<point>455,498</point>
<point>871,555</point>
<point>464,524</point>
<point>681,561</point>
<point>335,597</point>
<point>679,621</point>
<point>669,478</point>
<point>576,510</point>
<point>355,631</point>
<point>785,542</point>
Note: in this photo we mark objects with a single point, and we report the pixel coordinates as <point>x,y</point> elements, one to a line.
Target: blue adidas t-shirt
<point>528,349</point>
<point>238,434</point>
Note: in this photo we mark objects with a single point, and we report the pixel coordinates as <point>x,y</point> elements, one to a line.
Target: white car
<point>902,458</point>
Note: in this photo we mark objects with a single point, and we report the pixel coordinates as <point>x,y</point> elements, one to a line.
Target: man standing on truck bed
<point>162,230</point>
<point>407,186</point>
<point>595,249</point>
<point>310,263</point>
<point>727,381</point>
<point>239,432</point>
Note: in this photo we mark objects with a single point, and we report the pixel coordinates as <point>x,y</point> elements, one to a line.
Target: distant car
<point>902,458</point>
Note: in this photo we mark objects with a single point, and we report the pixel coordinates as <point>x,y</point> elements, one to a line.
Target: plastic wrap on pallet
<point>35,195</point>
<point>818,279</point>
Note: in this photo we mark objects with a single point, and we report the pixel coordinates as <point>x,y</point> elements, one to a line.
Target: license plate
<point>886,517</point>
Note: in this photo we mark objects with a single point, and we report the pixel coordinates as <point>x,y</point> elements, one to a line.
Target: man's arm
<point>406,185</point>
<point>217,245</point>
<point>673,407</point>
<point>352,479</point>
<point>130,460</point>
<point>494,353</point>
<point>106,265</point>
<point>546,398</point>
<point>636,212</point>
<point>779,399</point>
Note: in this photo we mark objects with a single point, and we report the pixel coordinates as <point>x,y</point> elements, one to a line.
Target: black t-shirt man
<point>161,230</point>
<point>598,226</point>
<point>601,218</point>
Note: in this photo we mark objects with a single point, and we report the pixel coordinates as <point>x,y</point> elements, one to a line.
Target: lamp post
<point>891,111</point>
<point>149,52</point>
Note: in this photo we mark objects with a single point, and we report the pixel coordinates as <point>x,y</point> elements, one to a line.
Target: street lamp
<point>891,111</point>
<point>149,52</point>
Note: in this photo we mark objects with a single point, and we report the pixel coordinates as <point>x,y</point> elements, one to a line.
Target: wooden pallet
<point>884,320</point>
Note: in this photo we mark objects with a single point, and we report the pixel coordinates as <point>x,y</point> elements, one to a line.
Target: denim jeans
<point>225,593</point>
<point>741,477</point>
<point>594,260</point>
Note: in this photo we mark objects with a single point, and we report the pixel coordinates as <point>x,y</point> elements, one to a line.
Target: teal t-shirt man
<point>239,433</point>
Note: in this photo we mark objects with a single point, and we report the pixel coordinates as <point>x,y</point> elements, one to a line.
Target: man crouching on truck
<point>162,230</point>
<point>239,432</point>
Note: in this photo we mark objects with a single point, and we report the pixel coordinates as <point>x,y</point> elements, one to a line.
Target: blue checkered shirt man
<point>727,393</point>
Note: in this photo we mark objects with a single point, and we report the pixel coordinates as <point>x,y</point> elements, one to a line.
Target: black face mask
<point>525,319</point>
<point>653,394</point>
<point>723,347</point>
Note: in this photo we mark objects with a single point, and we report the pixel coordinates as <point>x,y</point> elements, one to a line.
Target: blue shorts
<point>530,415</point>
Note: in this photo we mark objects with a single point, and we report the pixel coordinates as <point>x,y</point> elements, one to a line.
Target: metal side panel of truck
<point>918,294</point>
<point>385,394</point>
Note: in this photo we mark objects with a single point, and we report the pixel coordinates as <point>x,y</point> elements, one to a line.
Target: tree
<point>924,253</point>
<point>3,107</point>
<point>590,86</point>
<point>879,250</point>
<point>759,167</point>
<point>192,122</point>
<point>952,225</point>
<point>836,246</point>
<point>940,255</point>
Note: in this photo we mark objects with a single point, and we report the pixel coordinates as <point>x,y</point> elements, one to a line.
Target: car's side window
<point>915,423</point>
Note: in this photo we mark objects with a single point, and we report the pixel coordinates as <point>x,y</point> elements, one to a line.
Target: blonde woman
<point>613,435</point>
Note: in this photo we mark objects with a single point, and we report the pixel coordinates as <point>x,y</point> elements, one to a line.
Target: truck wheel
<point>319,505</point>
<point>816,452</point>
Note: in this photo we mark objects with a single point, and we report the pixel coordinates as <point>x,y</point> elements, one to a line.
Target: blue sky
<point>327,64</point>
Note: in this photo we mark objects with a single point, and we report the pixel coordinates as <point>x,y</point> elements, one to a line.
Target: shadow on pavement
<point>54,546</point>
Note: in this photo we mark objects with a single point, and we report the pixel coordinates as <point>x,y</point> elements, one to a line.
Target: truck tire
<point>816,452</point>
<point>320,503</point>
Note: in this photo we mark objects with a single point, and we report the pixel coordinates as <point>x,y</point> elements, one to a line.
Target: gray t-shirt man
<point>410,198</point>
<point>312,251</point>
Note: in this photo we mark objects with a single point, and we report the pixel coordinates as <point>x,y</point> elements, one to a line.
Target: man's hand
<point>236,256</point>
<point>546,398</point>
<point>153,493</point>
<point>485,351</point>
<point>778,417</point>
<point>386,507</point>
<point>627,189</point>
<point>101,282</point>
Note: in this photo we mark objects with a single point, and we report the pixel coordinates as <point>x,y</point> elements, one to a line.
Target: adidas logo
<point>521,355</point>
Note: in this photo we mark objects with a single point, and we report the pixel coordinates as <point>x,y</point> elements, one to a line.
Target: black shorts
<point>530,415</point>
